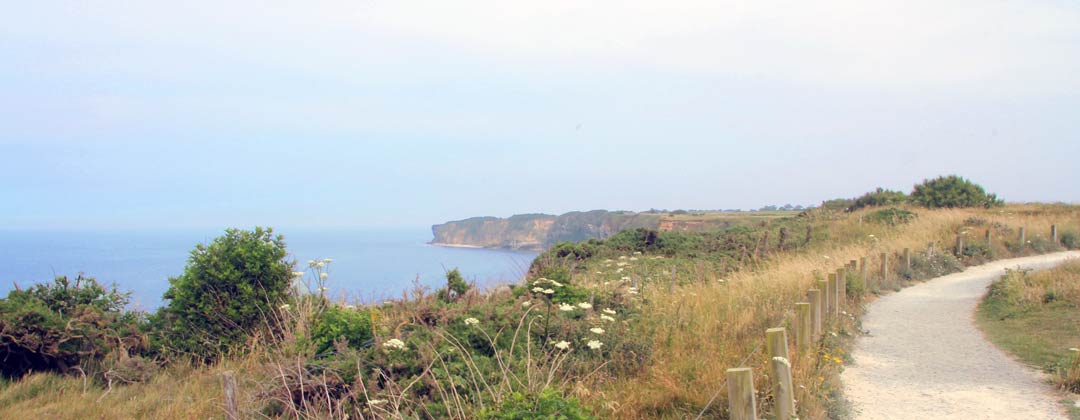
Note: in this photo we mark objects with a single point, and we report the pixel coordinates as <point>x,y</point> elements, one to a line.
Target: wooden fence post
<point>741,403</point>
<point>814,296</point>
<point>803,329</point>
<point>929,250</point>
<point>1023,237</point>
<point>884,267</point>
<point>959,244</point>
<point>826,302</point>
<point>907,258</point>
<point>784,397</point>
<point>834,302</point>
<point>1053,233</point>
<point>988,238</point>
<point>841,285</point>
<point>863,273</point>
<point>228,388</point>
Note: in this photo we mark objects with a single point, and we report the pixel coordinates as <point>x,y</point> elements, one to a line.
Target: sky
<point>195,114</point>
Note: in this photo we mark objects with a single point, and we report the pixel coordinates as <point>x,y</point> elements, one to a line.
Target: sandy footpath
<point>923,357</point>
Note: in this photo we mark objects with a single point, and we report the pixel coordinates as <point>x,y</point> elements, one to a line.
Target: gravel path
<point>923,357</point>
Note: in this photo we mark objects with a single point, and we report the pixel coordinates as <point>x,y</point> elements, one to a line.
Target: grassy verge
<point>1036,318</point>
<point>669,313</point>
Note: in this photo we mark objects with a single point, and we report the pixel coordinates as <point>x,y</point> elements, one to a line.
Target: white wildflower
<point>609,311</point>
<point>607,318</point>
<point>565,307</point>
<point>323,289</point>
<point>538,290</point>
<point>596,330</point>
<point>284,307</point>
<point>1074,349</point>
<point>548,292</point>
<point>556,284</point>
<point>599,272</point>
<point>471,321</point>
<point>632,291</point>
<point>394,344</point>
<point>323,276</point>
<point>595,344</point>
<point>633,258</point>
<point>618,271</point>
<point>622,257</point>
<point>327,260</point>
<point>298,274</point>
<point>311,263</point>
<point>826,257</point>
<point>584,305</point>
<point>637,252</point>
<point>621,264</point>
<point>320,264</point>
<point>563,345</point>
<point>376,402</point>
<point>526,304</point>
<point>870,236</point>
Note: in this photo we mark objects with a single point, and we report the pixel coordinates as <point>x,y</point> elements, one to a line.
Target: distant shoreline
<point>456,245</point>
<point>492,248</point>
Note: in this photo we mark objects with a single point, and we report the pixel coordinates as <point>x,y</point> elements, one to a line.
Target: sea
<point>369,265</point>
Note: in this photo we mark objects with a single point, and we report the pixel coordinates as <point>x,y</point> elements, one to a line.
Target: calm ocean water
<point>369,264</point>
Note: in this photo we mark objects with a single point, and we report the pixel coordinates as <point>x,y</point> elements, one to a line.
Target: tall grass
<point>666,355</point>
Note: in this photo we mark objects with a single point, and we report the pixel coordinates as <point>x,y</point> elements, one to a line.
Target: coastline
<point>493,248</point>
<point>458,246</point>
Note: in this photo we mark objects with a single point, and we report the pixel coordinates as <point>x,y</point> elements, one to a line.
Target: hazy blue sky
<point>360,113</point>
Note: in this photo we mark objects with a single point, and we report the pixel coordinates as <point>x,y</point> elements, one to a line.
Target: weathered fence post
<point>228,388</point>
<point>929,250</point>
<point>853,265</point>
<point>783,239</point>
<point>1023,237</point>
<point>863,273</point>
<point>834,295</point>
<point>884,267</point>
<point>907,258</point>
<point>740,382</point>
<point>803,329</point>
<point>1053,233</point>
<point>814,296</point>
<point>988,238</point>
<point>841,285</point>
<point>959,244</point>
<point>826,302</point>
<point>776,344</point>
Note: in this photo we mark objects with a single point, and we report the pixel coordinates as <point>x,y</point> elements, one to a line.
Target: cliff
<point>538,231</point>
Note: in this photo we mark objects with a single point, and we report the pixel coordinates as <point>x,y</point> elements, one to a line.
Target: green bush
<point>877,198</point>
<point>952,191</point>
<point>57,326</point>
<point>228,292</point>
<point>547,405</point>
<point>455,286</point>
<point>350,326</point>
<point>1070,239</point>
<point>891,216</point>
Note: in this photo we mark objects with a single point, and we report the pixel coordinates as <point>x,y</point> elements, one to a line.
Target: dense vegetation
<point>226,294</point>
<point>638,325</point>
<point>1036,317</point>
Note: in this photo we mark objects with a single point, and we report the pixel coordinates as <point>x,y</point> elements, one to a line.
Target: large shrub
<point>60,325</point>
<point>228,291</point>
<point>879,197</point>
<point>337,324</point>
<point>952,191</point>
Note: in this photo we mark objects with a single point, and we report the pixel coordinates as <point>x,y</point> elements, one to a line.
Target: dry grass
<point>706,326</point>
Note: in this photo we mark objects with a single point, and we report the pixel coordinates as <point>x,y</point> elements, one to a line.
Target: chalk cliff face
<point>538,231</point>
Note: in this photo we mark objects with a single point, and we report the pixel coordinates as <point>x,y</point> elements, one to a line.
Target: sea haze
<point>368,264</point>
